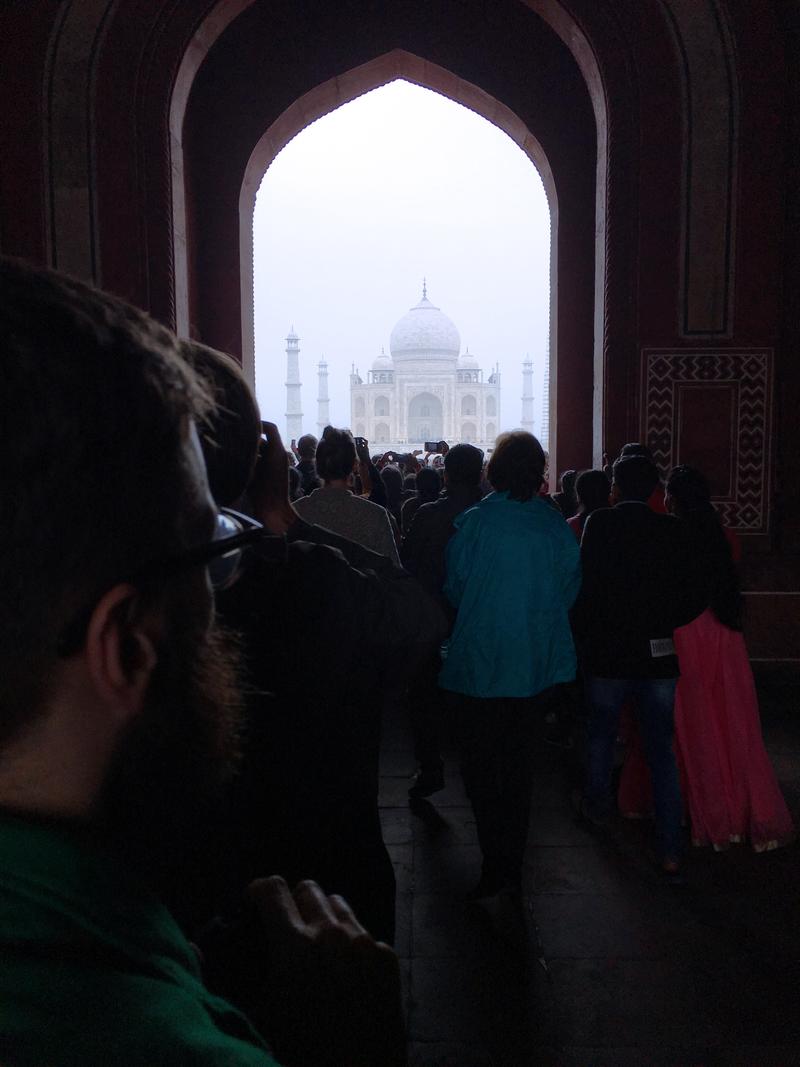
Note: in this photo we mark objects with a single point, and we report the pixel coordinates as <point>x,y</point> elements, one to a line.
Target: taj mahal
<point>426,389</point>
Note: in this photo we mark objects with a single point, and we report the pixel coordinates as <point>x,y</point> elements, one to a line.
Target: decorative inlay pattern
<point>749,373</point>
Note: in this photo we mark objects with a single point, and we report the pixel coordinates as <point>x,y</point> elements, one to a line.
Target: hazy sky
<point>398,185</point>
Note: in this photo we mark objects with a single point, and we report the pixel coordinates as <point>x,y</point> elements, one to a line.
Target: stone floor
<point>601,965</point>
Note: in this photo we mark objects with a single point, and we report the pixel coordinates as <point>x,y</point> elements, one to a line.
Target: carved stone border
<point>749,372</point>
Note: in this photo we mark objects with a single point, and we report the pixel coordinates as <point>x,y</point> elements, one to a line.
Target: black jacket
<point>423,549</point>
<point>321,640</point>
<point>642,578</point>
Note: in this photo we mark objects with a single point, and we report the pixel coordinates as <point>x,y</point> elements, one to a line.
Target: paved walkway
<point>601,965</point>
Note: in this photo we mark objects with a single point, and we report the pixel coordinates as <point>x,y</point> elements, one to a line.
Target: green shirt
<point>93,968</point>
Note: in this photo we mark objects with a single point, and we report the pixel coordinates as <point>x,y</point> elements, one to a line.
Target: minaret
<point>323,403</point>
<point>544,434</point>
<point>294,412</point>
<point>527,394</point>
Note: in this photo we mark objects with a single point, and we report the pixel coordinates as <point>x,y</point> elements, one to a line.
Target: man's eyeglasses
<point>222,555</point>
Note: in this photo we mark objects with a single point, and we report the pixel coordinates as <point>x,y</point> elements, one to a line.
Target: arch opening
<point>346,86</point>
<point>396,66</point>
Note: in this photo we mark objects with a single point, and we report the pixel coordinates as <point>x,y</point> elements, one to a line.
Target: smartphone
<point>432,446</point>
<point>360,442</point>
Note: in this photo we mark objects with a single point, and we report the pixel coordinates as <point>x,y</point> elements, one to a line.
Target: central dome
<point>425,331</point>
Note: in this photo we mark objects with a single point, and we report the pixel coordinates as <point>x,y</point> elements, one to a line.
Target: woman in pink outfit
<point>729,787</point>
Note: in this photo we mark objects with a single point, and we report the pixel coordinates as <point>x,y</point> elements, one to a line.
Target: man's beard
<point>165,796</point>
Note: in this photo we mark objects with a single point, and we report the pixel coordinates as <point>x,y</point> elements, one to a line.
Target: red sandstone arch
<point>635,120</point>
<point>576,365</point>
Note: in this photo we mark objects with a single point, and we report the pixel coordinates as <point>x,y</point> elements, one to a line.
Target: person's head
<point>687,491</point>
<point>307,446</point>
<point>592,489</point>
<point>428,484</point>
<point>230,437</point>
<point>106,634</point>
<point>336,455</point>
<point>517,465</point>
<point>393,483</point>
<point>635,478</point>
<point>688,496</point>
<point>567,482</point>
<point>409,483</point>
<point>463,467</point>
<point>635,448</point>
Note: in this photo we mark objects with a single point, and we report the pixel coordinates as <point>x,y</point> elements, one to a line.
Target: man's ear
<point>120,653</point>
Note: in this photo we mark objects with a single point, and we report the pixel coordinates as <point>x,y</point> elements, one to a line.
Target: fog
<point>399,185</point>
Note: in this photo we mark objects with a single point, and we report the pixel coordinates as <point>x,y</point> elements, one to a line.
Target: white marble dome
<point>468,361</point>
<point>383,362</point>
<point>425,331</point>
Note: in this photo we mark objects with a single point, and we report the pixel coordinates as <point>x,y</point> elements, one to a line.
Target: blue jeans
<point>654,699</point>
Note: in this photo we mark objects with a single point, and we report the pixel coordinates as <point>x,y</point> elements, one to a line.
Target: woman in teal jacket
<point>513,572</point>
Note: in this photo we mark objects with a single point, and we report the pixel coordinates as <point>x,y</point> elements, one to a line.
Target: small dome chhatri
<point>468,361</point>
<point>425,332</point>
<point>383,362</point>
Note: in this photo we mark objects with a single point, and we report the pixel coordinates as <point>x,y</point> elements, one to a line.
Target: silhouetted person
<point>335,506</point>
<point>428,486</point>
<point>592,489</point>
<point>513,572</point>
<point>565,498</point>
<point>307,465</point>
<point>423,555</point>
<point>119,722</point>
<point>641,579</point>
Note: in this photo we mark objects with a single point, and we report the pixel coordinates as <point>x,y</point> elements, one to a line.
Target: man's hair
<point>393,484</point>
<point>429,484</point>
<point>231,436</point>
<point>336,454</point>
<point>592,488</point>
<point>517,465</point>
<point>307,446</point>
<point>94,411</point>
<point>409,483</point>
<point>567,482</point>
<point>464,465</point>
<point>635,448</point>
<point>689,488</point>
<point>635,477</point>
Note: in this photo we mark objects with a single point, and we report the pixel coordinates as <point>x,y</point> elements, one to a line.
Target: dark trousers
<point>496,737</point>
<point>425,710</point>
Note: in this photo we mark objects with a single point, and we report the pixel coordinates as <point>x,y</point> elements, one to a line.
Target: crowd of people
<point>196,637</point>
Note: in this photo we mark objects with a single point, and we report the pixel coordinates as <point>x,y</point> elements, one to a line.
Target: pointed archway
<point>338,92</point>
<point>213,271</point>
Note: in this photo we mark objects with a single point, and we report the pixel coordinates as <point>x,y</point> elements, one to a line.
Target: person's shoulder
<point>471,517</point>
<point>369,507</point>
<point>311,500</point>
<point>664,522</point>
<point>601,519</point>
<point>427,511</point>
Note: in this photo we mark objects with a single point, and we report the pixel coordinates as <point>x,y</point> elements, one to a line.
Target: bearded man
<point>118,721</point>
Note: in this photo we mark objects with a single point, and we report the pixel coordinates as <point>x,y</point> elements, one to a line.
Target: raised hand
<point>269,486</point>
<point>331,993</point>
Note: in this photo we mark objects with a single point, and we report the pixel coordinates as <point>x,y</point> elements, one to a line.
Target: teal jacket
<point>513,572</point>
<point>94,971</point>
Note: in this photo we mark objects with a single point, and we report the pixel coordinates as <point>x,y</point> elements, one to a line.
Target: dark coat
<point>423,550</point>
<point>318,637</point>
<point>642,578</point>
